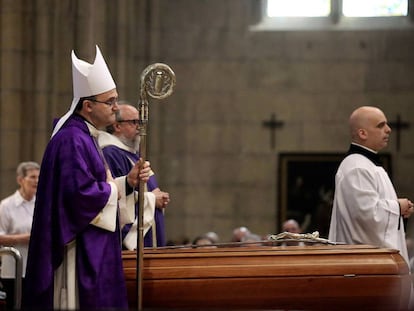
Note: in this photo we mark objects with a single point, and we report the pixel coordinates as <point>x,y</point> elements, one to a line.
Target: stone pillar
<point>36,39</point>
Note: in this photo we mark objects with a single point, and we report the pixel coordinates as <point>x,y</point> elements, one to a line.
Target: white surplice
<point>366,209</point>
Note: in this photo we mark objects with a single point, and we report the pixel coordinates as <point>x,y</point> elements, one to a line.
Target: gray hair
<point>110,128</point>
<point>24,167</point>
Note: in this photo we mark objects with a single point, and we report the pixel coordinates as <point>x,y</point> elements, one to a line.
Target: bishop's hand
<point>140,171</point>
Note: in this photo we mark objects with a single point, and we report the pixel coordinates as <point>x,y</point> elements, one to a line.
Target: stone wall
<point>207,143</point>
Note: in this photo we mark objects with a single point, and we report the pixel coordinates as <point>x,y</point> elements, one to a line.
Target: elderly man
<point>74,259</point>
<point>121,151</point>
<point>239,233</point>
<point>291,225</point>
<point>16,216</point>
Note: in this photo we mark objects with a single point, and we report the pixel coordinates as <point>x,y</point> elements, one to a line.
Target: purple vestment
<point>72,190</point>
<point>119,161</point>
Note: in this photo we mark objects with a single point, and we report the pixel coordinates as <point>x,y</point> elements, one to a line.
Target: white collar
<point>369,149</point>
<point>19,198</point>
<point>92,130</point>
<point>105,139</point>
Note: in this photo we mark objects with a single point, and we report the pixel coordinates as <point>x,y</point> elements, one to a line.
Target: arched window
<point>335,14</point>
<point>374,8</point>
<point>298,8</point>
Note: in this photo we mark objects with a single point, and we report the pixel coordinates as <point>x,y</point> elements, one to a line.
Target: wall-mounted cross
<point>272,124</point>
<point>397,126</point>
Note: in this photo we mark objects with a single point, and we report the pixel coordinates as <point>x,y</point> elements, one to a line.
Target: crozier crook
<point>157,81</point>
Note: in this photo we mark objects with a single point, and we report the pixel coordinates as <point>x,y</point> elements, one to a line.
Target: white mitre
<point>88,80</point>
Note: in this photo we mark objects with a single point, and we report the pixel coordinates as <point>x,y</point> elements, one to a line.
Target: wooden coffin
<point>315,277</point>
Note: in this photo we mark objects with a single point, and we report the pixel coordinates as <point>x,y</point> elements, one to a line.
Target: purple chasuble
<point>119,161</point>
<point>72,190</point>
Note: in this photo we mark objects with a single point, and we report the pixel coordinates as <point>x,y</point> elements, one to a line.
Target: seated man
<point>291,226</point>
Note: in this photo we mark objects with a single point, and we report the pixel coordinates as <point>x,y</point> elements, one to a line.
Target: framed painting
<point>306,184</point>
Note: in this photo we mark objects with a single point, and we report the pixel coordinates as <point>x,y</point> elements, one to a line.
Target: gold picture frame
<point>306,187</point>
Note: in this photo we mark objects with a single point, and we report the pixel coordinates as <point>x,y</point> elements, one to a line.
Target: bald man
<point>366,208</point>
<point>292,226</point>
<point>239,233</point>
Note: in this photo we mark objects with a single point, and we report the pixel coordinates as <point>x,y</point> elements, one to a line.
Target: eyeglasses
<point>134,122</point>
<point>109,102</point>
